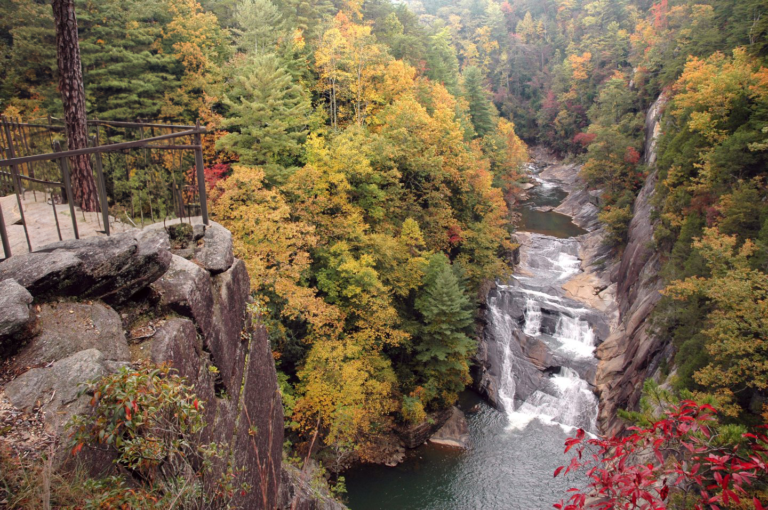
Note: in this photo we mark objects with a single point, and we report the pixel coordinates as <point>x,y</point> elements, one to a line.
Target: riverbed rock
<point>413,436</point>
<point>455,432</point>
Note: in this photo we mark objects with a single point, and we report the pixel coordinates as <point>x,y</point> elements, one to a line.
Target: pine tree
<point>73,96</point>
<point>442,63</point>
<point>267,116</point>
<point>481,109</point>
<point>443,347</point>
<point>127,72</point>
<point>259,26</point>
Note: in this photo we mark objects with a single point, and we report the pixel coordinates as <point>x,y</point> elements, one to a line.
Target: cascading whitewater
<point>561,324</point>
<point>576,335</point>
<point>532,317</point>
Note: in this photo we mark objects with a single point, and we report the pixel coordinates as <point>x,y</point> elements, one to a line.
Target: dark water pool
<point>506,469</point>
<point>547,222</point>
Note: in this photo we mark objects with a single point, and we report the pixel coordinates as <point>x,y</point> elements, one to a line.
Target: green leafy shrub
<point>152,420</point>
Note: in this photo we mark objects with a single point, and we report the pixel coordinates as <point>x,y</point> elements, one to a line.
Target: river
<point>546,343</point>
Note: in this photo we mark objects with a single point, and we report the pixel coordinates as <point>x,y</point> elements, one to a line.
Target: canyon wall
<point>632,353</point>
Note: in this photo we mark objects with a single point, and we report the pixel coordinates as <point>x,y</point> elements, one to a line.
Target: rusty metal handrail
<point>15,177</point>
<point>136,144</point>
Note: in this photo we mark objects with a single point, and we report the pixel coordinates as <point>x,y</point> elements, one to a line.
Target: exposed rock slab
<point>68,328</point>
<point>57,388</point>
<point>455,432</point>
<point>628,355</point>
<point>15,316</point>
<point>186,289</point>
<point>109,268</point>
<point>413,436</point>
<point>215,251</point>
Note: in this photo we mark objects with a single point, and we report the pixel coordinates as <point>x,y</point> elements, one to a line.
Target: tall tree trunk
<point>73,96</point>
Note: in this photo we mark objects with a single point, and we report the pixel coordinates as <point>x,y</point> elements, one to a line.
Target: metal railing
<point>138,177</point>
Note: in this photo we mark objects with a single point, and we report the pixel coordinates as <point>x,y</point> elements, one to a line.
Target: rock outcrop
<point>631,353</point>
<point>455,432</point>
<point>413,436</point>
<point>78,310</point>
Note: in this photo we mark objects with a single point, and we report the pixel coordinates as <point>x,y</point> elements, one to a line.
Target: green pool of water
<point>548,223</point>
<point>505,469</point>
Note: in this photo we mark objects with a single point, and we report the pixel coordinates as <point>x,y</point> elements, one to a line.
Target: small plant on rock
<point>152,420</point>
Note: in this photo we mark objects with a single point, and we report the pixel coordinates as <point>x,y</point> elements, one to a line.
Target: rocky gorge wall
<point>77,310</point>
<point>632,353</point>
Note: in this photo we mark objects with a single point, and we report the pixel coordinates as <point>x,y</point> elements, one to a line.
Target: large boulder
<point>15,317</point>
<point>43,273</point>
<point>175,343</point>
<point>413,436</point>
<point>109,268</point>
<point>67,328</point>
<point>56,389</point>
<point>186,289</point>
<point>455,432</point>
<point>214,251</point>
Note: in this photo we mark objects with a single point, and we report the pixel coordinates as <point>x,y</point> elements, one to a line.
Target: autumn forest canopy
<point>368,157</point>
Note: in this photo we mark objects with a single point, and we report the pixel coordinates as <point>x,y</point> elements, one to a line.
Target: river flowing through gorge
<point>538,366</point>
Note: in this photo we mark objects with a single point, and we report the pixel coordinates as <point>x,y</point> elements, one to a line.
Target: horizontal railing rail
<point>130,171</point>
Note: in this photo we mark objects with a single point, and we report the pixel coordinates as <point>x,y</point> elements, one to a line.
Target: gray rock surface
<point>215,253</point>
<point>186,289</point>
<point>454,433</point>
<point>175,343</point>
<point>632,352</point>
<point>109,268</point>
<point>15,316</point>
<point>42,273</point>
<point>298,493</point>
<point>57,388</point>
<point>67,328</point>
<point>627,354</point>
<point>413,436</point>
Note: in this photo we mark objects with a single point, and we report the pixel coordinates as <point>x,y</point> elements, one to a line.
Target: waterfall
<point>504,327</point>
<point>532,318</point>
<point>572,405</point>
<point>535,305</point>
<point>576,335</point>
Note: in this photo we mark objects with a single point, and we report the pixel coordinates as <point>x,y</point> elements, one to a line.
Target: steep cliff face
<point>81,309</point>
<point>631,353</point>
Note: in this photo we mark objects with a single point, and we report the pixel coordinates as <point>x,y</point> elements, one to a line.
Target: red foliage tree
<point>679,453</point>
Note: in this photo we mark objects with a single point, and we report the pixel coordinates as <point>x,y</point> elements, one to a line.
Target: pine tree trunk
<point>73,96</point>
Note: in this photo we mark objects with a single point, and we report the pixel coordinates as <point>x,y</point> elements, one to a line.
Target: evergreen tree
<point>443,347</point>
<point>442,63</point>
<point>267,116</point>
<point>259,25</point>
<point>127,73</point>
<point>481,109</point>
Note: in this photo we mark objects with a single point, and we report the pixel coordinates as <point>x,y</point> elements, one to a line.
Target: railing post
<point>68,188</point>
<point>103,204</point>
<point>201,174</point>
<point>4,236</point>
<point>16,181</point>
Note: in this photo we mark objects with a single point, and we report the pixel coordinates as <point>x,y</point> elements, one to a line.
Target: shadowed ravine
<point>544,344</point>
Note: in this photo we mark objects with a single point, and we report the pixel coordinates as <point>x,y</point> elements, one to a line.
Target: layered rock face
<point>77,310</point>
<point>631,354</point>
